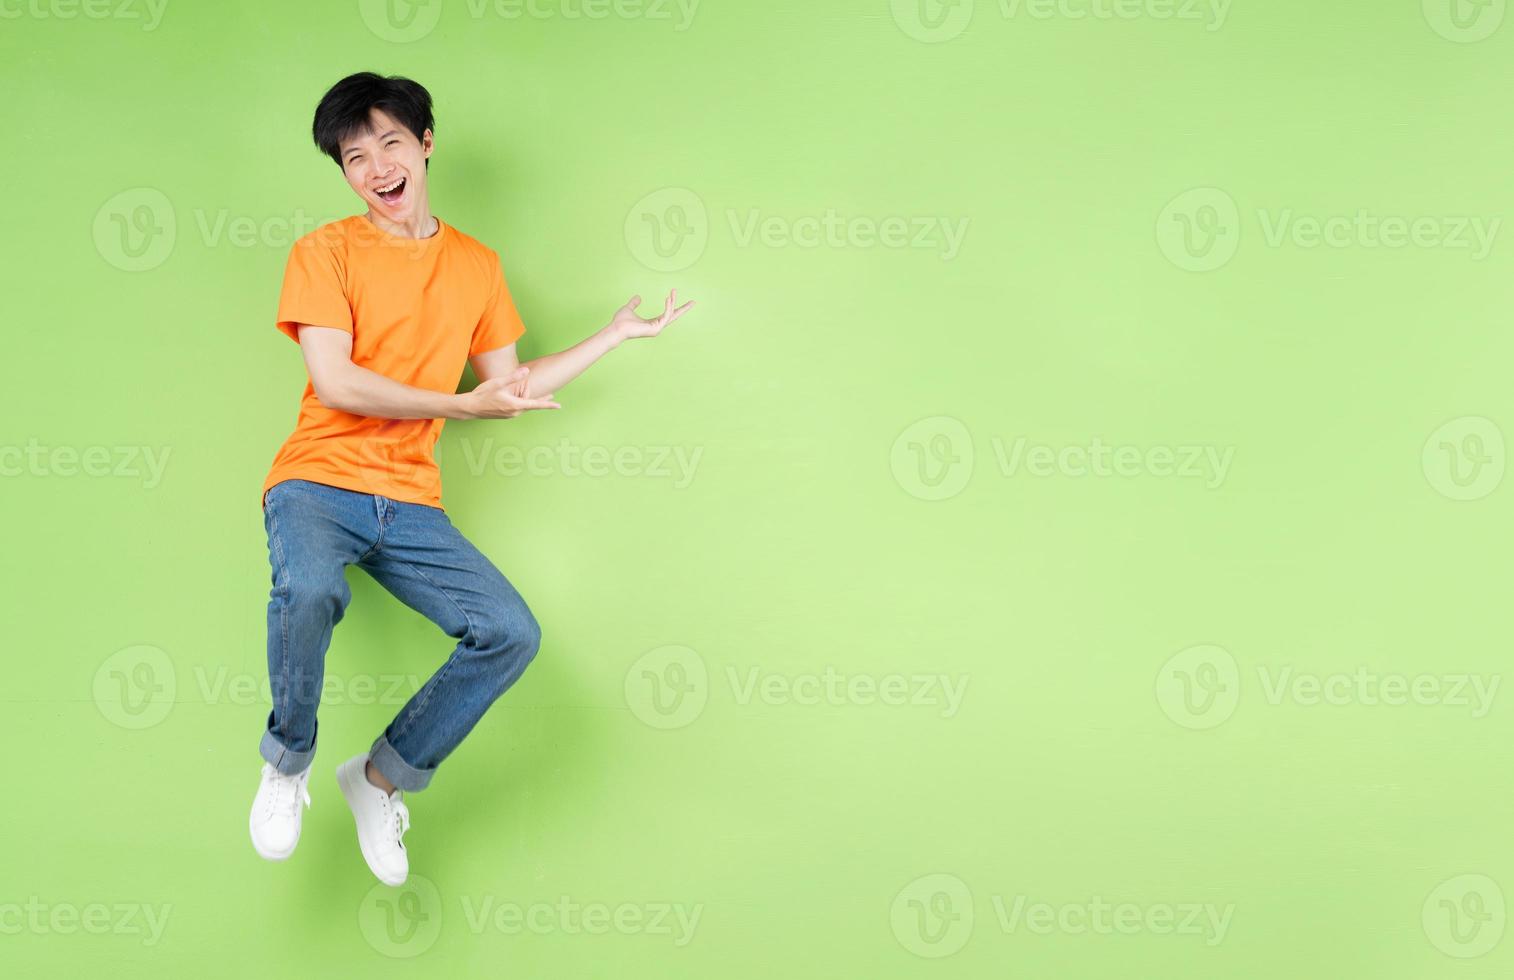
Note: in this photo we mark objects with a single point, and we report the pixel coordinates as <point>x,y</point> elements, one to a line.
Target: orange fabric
<point>417,309</point>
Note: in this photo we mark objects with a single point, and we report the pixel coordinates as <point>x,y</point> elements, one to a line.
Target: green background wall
<point>1148,389</point>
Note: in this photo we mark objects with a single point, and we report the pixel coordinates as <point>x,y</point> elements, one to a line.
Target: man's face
<point>386,165</point>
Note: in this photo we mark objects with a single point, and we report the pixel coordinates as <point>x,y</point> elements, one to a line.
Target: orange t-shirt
<point>417,309</point>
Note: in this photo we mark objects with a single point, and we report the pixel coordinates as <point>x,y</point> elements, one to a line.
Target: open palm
<point>628,324</point>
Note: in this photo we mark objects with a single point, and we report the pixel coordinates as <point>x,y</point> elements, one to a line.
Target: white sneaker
<point>275,818</point>
<point>381,818</point>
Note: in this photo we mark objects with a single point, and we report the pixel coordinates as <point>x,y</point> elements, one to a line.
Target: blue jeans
<point>314,532</point>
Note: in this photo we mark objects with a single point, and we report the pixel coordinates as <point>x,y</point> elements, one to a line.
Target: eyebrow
<point>382,136</point>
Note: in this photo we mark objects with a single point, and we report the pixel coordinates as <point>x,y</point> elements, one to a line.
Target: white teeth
<point>385,190</point>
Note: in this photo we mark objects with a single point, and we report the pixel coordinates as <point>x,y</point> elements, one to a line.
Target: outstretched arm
<point>550,372</point>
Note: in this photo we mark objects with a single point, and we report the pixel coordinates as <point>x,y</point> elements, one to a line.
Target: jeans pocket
<point>269,493</point>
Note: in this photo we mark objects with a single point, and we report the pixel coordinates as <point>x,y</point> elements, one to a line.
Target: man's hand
<point>626,323</point>
<point>505,398</point>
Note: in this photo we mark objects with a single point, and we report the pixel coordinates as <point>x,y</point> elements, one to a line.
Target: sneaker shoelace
<point>401,815</point>
<point>281,783</point>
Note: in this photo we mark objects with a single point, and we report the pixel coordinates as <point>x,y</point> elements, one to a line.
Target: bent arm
<point>348,387</point>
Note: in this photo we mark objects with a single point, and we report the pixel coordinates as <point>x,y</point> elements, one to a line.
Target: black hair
<point>345,107</point>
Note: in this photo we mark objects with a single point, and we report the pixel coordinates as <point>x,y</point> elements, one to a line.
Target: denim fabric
<point>314,532</point>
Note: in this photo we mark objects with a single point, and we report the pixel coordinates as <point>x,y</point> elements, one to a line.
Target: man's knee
<point>509,627</point>
<point>318,595</point>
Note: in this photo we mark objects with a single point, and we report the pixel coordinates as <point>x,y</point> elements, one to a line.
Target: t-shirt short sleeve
<point>501,325</point>
<point>313,290</point>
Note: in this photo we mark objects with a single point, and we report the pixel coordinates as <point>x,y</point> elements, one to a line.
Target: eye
<point>391,142</point>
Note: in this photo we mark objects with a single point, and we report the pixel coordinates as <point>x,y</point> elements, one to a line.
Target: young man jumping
<point>386,307</point>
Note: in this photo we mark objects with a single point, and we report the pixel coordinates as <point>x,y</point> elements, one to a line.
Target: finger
<point>679,312</point>
<point>545,401</point>
<point>633,302</point>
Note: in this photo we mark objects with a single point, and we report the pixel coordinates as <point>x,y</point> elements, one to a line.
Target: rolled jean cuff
<point>286,761</point>
<point>395,769</point>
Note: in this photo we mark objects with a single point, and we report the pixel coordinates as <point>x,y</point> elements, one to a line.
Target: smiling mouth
<point>392,193</point>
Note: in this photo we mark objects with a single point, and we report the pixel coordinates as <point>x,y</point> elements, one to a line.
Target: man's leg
<point>427,564</point>
<point>314,532</point>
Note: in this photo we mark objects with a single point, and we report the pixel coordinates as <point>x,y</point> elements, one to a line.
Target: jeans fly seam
<point>377,542</point>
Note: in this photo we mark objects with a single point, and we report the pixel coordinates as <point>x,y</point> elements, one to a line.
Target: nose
<point>384,169</point>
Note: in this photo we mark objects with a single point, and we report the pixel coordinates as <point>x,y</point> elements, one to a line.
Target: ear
<point>427,144</point>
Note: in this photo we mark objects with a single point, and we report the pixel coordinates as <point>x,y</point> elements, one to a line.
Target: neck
<point>421,225</point>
